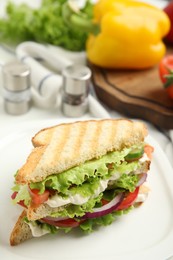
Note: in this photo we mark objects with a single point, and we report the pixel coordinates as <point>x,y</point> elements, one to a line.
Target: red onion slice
<point>142,179</point>
<point>106,209</point>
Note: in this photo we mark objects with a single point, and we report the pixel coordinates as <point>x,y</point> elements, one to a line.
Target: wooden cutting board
<point>137,94</point>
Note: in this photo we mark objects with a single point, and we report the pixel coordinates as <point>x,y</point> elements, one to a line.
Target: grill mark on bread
<point>106,135</point>
<point>121,131</point>
<point>57,147</point>
<point>96,137</point>
<point>103,136</point>
<point>71,151</point>
<point>87,141</point>
<point>79,140</point>
<point>112,135</point>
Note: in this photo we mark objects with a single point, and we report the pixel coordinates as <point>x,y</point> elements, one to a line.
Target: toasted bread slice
<point>67,145</point>
<point>44,136</point>
<point>21,231</point>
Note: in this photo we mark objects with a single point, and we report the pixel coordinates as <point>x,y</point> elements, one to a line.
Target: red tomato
<point>166,74</point>
<point>148,149</point>
<point>13,196</point>
<point>37,198</point>
<point>128,201</point>
<point>21,203</point>
<point>70,222</point>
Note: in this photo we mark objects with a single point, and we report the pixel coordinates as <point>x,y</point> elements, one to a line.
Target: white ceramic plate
<point>144,233</point>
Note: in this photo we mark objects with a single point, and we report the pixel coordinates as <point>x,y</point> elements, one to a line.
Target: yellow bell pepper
<point>130,35</point>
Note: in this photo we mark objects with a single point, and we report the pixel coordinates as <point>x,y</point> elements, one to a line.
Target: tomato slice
<point>148,149</point>
<point>13,196</point>
<point>37,198</point>
<point>128,201</point>
<point>70,222</point>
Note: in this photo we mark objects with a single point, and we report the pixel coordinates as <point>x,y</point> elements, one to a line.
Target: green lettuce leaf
<point>126,167</point>
<point>82,173</point>
<point>90,224</point>
<point>45,24</point>
<point>22,195</point>
<point>127,182</point>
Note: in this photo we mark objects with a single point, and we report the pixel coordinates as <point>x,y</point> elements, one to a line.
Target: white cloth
<point>46,84</point>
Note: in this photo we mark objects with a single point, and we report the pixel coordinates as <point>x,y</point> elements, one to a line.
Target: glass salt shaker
<point>16,87</point>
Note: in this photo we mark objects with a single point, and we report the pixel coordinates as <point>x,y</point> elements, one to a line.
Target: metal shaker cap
<point>76,79</point>
<point>16,76</point>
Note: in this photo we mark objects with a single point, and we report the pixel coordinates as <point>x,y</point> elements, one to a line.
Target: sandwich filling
<point>91,194</point>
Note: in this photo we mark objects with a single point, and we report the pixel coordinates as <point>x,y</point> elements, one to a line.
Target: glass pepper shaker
<point>75,90</point>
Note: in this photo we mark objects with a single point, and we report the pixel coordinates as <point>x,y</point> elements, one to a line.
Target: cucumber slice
<point>135,154</point>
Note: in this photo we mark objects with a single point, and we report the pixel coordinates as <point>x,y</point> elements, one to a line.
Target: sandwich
<point>81,175</point>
